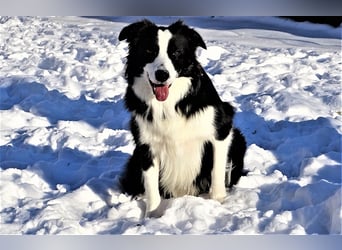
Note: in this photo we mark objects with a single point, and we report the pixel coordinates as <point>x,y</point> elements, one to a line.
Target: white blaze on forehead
<point>162,61</point>
<point>164,37</point>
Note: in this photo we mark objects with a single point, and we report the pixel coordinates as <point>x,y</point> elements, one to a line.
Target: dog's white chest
<point>177,143</point>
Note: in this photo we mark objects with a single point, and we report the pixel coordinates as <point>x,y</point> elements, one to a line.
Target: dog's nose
<point>162,75</point>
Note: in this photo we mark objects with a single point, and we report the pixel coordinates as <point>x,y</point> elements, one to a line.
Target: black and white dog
<point>184,136</point>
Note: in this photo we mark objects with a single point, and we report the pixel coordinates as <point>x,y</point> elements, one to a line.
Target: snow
<point>64,130</point>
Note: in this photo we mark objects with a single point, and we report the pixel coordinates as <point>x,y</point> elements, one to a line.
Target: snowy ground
<point>64,131</point>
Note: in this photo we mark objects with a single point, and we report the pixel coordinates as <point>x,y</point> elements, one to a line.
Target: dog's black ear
<point>191,34</point>
<point>131,31</point>
<point>197,39</point>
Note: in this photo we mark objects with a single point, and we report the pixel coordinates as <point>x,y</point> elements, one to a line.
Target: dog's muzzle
<point>161,89</point>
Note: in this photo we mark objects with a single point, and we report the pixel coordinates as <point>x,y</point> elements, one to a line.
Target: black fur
<point>143,48</point>
<point>140,160</point>
<point>203,180</point>
<point>236,154</point>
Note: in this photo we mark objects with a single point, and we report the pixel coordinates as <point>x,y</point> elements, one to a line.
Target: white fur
<point>177,145</point>
<point>162,61</point>
<point>150,177</point>
<point>177,142</point>
<point>218,189</point>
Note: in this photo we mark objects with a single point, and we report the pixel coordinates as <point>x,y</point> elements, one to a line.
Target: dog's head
<point>160,54</point>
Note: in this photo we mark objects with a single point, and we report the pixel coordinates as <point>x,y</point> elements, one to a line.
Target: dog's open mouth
<point>161,91</point>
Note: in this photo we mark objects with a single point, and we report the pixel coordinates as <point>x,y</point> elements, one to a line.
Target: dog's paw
<point>159,211</point>
<point>218,196</point>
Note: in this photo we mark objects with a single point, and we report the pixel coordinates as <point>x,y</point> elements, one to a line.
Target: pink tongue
<point>161,92</point>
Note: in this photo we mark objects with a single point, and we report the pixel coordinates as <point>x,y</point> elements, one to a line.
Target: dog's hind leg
<point>236,159</point>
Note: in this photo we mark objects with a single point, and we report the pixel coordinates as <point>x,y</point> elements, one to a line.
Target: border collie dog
<point>184,136</point>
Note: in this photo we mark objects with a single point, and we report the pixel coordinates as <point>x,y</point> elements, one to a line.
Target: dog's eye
<point>177,53</point>
<point>149,51</point>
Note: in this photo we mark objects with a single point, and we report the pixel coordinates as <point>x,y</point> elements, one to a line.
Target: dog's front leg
<point>151,184</point>
<point>218,187</point>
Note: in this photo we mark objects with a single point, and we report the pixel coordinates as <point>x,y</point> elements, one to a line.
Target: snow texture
<point>64,130</point>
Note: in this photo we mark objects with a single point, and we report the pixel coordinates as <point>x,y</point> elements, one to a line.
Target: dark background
<point>334,21</point>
